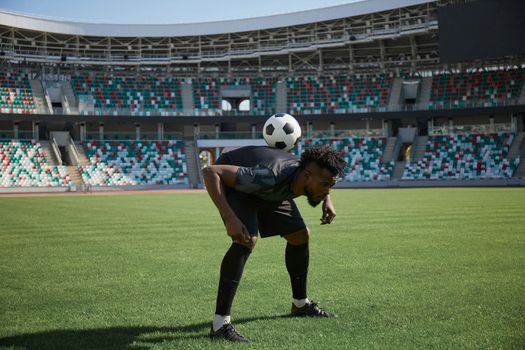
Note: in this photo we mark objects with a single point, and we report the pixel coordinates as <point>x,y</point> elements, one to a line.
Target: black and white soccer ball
<point>282,131</point>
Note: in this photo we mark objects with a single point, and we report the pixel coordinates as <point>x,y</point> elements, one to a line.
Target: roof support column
<point>382,55</point>
<point>413,47</point>
<point>351,60</point>
<point>320,69</point>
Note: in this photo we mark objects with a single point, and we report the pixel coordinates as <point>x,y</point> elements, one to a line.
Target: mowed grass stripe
<point>414,268</point>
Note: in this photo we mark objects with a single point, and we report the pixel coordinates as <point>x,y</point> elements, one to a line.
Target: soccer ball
<point>281,131</point>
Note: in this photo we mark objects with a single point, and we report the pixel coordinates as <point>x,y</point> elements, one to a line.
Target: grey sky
<point>161,11</point>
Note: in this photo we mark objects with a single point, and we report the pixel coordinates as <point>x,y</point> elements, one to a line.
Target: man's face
<point>319,181</point>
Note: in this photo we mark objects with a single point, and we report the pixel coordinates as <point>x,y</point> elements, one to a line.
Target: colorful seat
<point>138,96</point>
<point>16,95</point>
<point>476,89</point>
<point>338,94</point>
<point>120,163</point>
<point>23,164</point>
<point>464,157</point>
<point>363,155</point>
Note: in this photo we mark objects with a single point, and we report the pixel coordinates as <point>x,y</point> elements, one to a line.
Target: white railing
<point>229,135</point>
<point>132,136</point>
<point>65,104</point>
<point>205,49</point>
<point>471,129</point>
<point>73,151</point>
<point>346,133</point>
<point>49,104</point>
<point>56,151</point>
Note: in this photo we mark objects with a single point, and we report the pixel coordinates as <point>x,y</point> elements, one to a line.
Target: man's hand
<point>238,232</point>
<point>215,178</point>
<point>328,211</point>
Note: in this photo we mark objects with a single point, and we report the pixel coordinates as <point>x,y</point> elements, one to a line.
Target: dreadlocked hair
<point>325,157</point>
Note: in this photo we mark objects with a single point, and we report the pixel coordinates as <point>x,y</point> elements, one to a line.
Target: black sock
<point>297,257</point>
<point>231,273</point>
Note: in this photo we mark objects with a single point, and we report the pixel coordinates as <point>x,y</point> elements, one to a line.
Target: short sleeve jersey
<point>264,172</point>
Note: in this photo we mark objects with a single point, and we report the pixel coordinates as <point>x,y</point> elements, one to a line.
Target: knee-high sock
<point>297,258</point>
<point>231,272</point>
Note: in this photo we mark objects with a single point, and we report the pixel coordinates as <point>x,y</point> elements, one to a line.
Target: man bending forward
<point>253,188</point>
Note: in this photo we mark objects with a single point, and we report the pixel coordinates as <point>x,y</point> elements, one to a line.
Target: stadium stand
<point>464,157</point>
<point>15,93</point>
<point>306,95</point>
<point>363,155</point>
<point>480,89</point>
<point>120,163</point>
<point>137,96</point>
<point>23,164</point>
<point>263,95</point>
<point>146,96</point>
<point>207,93</point>
<point>337,94</point>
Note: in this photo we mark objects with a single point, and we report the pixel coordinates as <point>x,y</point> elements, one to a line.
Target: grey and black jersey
<point>265,172</point>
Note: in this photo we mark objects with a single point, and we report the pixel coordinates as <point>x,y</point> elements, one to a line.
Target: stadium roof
<point>51,25</point>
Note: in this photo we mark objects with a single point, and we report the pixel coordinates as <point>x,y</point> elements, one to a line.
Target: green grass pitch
<point>404,269</point>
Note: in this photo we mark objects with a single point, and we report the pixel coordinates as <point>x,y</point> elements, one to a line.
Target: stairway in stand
<point>420,148</point>
<point>192,163</point>
<point>187,99</point>
<point>75,176</point>
<point>49,154</point>
<point>423,98</point>
<point>40,98</point>
<point>388,154</point>
<point>518,150</point>
<point>281,93</point>
<point>394,102</point>
<point>84,161</point>
<point>399,168</point>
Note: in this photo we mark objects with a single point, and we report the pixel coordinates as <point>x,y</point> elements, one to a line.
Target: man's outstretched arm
<point>215,178</point>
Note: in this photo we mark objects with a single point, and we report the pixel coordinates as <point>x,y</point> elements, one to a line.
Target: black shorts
<point>267,218</point>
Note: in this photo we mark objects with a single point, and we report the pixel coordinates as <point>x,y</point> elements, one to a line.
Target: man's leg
<point>232,267</point>
<point>231,272</point>
<point>297,258</point>
<point>286,220</point>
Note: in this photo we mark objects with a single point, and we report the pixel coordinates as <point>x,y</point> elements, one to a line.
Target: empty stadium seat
<point>305,95</point>
<point>477,89</point>
<point>338,94</point>
<point>23,164</point>
<point>464,157</point>
<point>363,155</point>
<point>120,163</point>
<point>207,99</point>
<point>138,96</point>
<point>16,95</point>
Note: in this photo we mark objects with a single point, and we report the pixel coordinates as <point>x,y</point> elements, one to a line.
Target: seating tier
<point>363,155</point>
<point>16,95</point>
<point>464,157</point>
<point>337,94</point>
<point>154,95</point>
<point>478,89</point>
<point>140,95</point>
<point>120,163</point>
<point>23,164</point>
<point>207,93</point>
